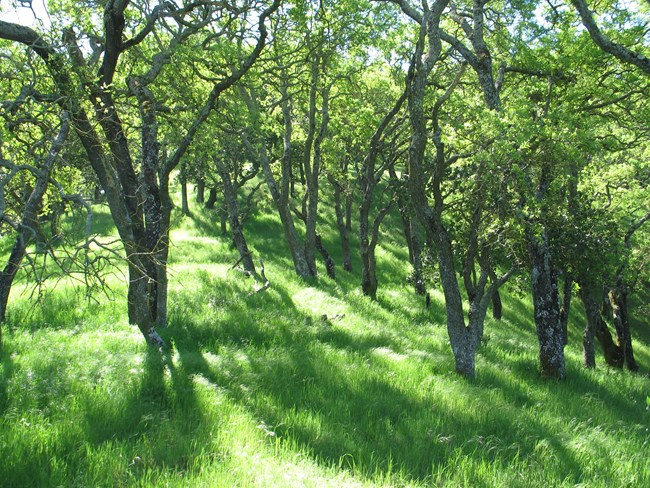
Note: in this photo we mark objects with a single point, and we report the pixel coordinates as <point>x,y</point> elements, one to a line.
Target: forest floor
<point>304,384</point>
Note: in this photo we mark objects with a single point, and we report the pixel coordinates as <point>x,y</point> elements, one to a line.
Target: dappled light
<point>298,243</point>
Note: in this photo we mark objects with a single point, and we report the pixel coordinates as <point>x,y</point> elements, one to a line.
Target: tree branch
<point>603,42</point>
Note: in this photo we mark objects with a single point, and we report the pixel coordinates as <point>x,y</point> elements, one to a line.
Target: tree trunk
<point>230,197</point>
<point>8,274</point>
<point>367,255</point>
<point>212,199</point>
<point>613,354</point>
<point>592,313</point>
<point>185,208</point>
<point>368,261</point>
<point>340,223</point>
<point>464,339</point>
<point>348,211</point>
<point>567,292</point>
<point>411,234</point>
<point>546,306</point>
<point>368,178</point>
<point>419,284</point>
<point>140,306</point>
<point>200,190</point>
<point>162,253</point>
<point>291,236</point>
<point>368,247</point>
<point>497,306</point>
<point>618,300</point>
<point>329,262</point>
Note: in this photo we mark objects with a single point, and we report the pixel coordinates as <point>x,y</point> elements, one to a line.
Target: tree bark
<point>546,307</point>
<point>612,352</point>
<point>618,301</point>
<point>589,296</point>
<point>603,42</point>
<point>200,190</point>
<point>329,262</point>
<point>497,306</point>
<point>212,199</point>
<point>340,223</point>
<point>236,229</point>
<point>185,208</point>
<point>567,292</point>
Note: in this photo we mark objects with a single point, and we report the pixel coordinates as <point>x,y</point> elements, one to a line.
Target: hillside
<point>304,384</point>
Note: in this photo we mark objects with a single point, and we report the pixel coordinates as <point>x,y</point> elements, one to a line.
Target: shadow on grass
<point>363,422</point>
<point>6,374</point>
<point>324,389</point>
<point>159,424</point>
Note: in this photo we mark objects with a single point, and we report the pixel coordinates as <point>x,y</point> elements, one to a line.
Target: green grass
<point>260,391</point>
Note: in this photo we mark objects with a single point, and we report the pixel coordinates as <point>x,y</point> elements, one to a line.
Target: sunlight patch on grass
<point>317,303</point>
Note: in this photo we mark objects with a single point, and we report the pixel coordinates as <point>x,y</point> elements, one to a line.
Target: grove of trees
<point>511,139</point>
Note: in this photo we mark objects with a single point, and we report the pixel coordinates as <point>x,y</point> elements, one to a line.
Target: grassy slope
<point>259,391</point>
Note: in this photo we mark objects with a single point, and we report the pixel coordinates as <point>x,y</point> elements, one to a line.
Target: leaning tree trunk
<point>546,307</point>
<point>281,202</point>
<point>280,193</point>
<point>9,273</point>
<point>230,197</point>
<point>329,262</point>
<point>464,339</point>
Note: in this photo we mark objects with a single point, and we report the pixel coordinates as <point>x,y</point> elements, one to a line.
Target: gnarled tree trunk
<point>546,307</point>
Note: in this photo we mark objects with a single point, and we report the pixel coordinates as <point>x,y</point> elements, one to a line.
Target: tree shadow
<point>6,374</point>
<point>366,423</point>
<point>159,423</point>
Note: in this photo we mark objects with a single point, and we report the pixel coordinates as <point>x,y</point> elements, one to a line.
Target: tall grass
<point>305,384</point>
